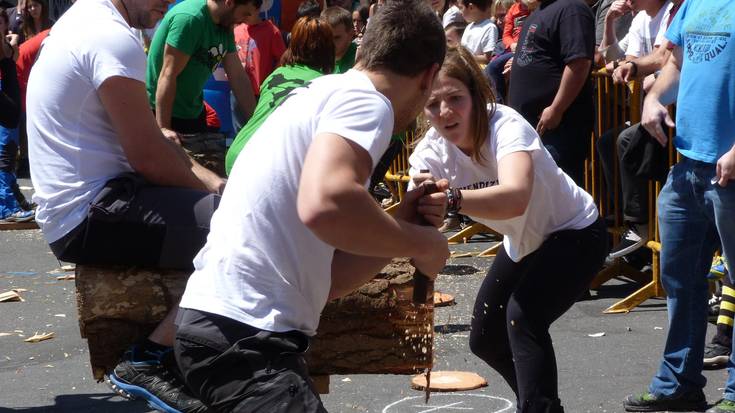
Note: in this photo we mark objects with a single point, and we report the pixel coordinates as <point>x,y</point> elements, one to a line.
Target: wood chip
<point>68,267</point>
<point>442,299</point>
<point>66,277</point>
<point>460,255</point>
<point>449,381</point>
<point>39,337</point>
<point>6,334</point>
<point>10,296</point>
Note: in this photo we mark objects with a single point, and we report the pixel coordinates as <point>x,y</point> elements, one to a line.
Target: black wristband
<point>634,67</point>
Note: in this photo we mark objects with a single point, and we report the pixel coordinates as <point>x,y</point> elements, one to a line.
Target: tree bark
<point>377,329</point>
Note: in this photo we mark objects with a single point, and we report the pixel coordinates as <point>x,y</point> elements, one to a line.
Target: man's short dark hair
<point>405,37</point>
<point>308,8</point>
<point>336,15</point>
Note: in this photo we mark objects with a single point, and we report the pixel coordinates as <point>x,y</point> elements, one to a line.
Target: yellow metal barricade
<point>653,288</point>
<point>397,177</point>
<point>620,106</point>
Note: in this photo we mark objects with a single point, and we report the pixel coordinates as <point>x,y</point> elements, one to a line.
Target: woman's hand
<point>420,207</point>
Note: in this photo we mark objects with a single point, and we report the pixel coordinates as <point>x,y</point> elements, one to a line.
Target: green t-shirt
<point>273,91</point>
<point>347,61</point>
<point>188,27</point>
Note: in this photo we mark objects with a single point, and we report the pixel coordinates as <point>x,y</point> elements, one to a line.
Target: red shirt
<point>514,23</point>
<point>259,48</point>
<point>26,57</point>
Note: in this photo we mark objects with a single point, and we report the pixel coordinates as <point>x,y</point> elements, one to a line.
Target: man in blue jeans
<point>696,205</point>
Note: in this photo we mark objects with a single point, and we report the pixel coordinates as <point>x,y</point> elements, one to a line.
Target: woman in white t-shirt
<point>554,241</point>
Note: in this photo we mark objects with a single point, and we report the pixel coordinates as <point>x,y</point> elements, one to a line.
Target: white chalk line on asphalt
<point>452,406</point>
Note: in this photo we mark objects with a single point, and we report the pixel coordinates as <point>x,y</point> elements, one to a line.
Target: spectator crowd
<point>97,117</point>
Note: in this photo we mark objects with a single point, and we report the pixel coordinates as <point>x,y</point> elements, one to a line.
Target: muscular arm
<point>174,62</point>
<point>159,160</point>
<point>609,44</point>
<point>663,93</point>
<point>646,65</point>
<point>239,83</point>
<point>510,197</point>
<point>573,79</point>
<point>334,204</point>
<point>653,62</point>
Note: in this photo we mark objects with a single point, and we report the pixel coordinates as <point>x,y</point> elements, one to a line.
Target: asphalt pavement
<point>596,371</point>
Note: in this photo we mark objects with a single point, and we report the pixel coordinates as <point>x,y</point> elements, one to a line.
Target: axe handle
<point>421,282</point>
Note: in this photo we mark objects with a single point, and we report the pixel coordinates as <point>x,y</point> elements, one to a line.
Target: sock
<point>725,317</point>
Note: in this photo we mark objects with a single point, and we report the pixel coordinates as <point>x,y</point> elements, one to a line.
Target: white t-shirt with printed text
<point>261,265</point>
<point>556,202</point>
<point>72,145</point>
<point>480,37</point>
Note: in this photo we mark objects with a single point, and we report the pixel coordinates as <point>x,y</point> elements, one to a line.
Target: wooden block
<point>119,305</point>
<point>11,226</point>
<point>442,381</point>
<point>442,299</point>
<point>376,329</point>
<point>321,384</point>
<point>208,149</point>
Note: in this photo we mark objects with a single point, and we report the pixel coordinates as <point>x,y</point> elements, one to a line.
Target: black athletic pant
<point>517,303</point>
<point>634,189</point>
<point>233,367</point>
<point>132,222</point>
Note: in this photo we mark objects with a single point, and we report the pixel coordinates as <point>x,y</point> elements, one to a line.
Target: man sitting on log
<point>297,226</point>
<point>110,188</point>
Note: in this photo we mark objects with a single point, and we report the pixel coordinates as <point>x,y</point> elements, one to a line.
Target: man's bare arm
<point>159,160</point>
<point>573,78</point>
<point>334,204</point>
<point>240,84</point>
<point>663,93</point>
<point>174,62</point>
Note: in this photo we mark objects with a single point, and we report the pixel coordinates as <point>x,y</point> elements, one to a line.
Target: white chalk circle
<point>450,402</point>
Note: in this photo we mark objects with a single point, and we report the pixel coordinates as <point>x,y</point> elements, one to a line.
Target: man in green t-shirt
<point>194,37</point>
<point>344,33</point>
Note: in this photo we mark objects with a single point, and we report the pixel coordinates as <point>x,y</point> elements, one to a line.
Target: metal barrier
<point>616,105</point>
<point>397,177</point>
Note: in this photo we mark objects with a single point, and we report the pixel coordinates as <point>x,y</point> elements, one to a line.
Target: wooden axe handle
<point>420,281</point>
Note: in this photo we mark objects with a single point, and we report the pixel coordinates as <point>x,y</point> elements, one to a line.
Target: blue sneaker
<point>143,375</point>
<point>21,216</point>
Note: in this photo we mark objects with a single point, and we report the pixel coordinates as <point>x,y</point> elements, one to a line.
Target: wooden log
<point>14,226</point>
<point>208,149</point>
<point>376,329</point>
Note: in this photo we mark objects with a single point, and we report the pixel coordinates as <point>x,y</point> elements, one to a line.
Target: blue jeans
<point>494,73</point>
<point>694,215</point>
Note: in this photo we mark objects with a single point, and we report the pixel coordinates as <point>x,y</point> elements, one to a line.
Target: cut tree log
<point>374,330</point>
